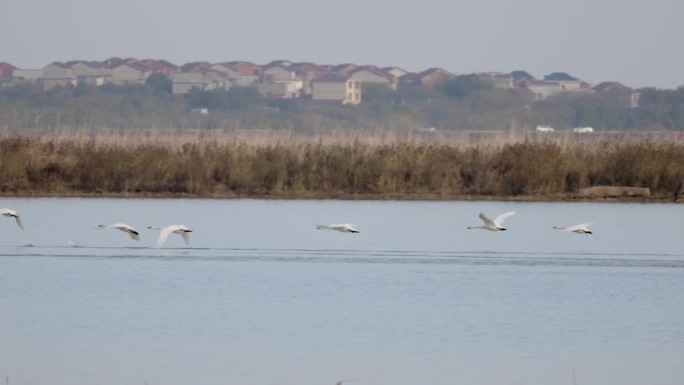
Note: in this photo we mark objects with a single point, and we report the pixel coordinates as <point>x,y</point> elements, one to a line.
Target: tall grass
<point>346,164</point>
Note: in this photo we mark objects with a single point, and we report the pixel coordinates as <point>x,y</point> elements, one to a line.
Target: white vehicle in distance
<point>425,130</point>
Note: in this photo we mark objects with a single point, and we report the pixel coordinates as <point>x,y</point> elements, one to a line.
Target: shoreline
<point>563,198</point>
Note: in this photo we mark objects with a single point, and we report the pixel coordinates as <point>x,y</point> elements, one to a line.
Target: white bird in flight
<point>345,228</point>
<point>11,213</point>
<point>125,228</point>
<point>74,243</point>
<point>582,228</point>
<point>165,231</point>
<point>493,225</point>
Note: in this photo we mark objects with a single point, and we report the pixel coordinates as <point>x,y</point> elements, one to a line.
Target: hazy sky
<point>638,43</point>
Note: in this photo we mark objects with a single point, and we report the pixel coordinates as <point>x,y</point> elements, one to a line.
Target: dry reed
<point>348,164</point>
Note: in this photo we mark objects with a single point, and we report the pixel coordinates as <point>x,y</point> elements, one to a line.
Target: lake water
<point>261,297</point>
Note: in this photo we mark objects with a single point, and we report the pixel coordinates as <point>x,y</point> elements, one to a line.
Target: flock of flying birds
<point>492,225</point>
<point>164,232</point>
<point>497,224</point>
<point>489,224</point>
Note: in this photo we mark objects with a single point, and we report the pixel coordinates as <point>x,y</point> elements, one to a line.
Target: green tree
<point>160,83</point>
<point>234,99</point>
<point>463,86</point>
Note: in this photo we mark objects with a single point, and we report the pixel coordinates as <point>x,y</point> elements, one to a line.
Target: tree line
<point>464,103</point>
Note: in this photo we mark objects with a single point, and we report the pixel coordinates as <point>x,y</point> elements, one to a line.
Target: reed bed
<point>379,165</point>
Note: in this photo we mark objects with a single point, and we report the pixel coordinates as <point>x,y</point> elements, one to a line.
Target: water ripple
<point>488,258</point>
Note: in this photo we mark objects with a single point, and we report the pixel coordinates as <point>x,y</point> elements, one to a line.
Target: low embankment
<point>374,167</point>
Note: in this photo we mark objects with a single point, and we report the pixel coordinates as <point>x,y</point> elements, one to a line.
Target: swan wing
<point>186,237</point>
<point>163,234</point>
<point>134,234</point>
<point>501,218</point>
<point>128,229</point>
<point>487,221</point>
<point>11,213</point>
<point>345,227</point>
<point>338,227</point>
<point>578,226</point>
<point>125,228</point>
<point>21,225</point>
<point>581,226</point>
<point>348,228</point>
<point>570,228</point>
<point>121,226</point>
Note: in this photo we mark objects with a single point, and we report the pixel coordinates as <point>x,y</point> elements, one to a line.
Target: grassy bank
<point>280,165</point>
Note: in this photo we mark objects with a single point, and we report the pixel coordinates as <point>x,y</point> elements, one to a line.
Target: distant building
<point>240,73</point>
<point>373,75</point>
<point>564,81</point>
<point>129,73</point>
<point>57,74</point>
<point>521,76</point>
<point>203,80</point>
<point>397,72</point>
<point>337,88</point>
<point>282,89</point>
<point>308,72</point>
<point>160,66</point>
<point>624,94</point>
<point>29,76</point>
<point>497,79</point>
<point>6,70</point>
<point>91,73</point>
<point>280,81</point>
<point>342,69</point>
<point>428,78</point>
<point>553,84</point>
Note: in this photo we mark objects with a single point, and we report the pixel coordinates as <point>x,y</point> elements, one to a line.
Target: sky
<point>637,43</point>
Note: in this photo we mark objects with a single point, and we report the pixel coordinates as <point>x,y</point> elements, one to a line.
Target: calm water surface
<point>262,297</point>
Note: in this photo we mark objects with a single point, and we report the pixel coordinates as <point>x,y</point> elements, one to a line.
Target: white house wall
<point>183,82</point>
<point>329,91</point>
<point>344,92</point>
<point>54,71</point>
<point>279,73</point>
<point>545,90</point>
<point>82,69</point>
<point>55,75</point>
<point>28,75</point>
<point>123,75</point>
<point>283,89</point>
<point>245,81</point>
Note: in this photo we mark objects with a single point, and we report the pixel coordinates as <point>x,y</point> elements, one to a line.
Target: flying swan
<point>11,213</point>
<point>345,228</point>
<point>165,231</point>
<point>125,228</point>
<point>493,225</point>
<point>582,228</point>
